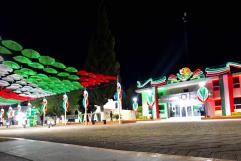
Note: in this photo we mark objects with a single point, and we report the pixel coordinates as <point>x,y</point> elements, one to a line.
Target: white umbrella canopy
<point>14,86</point>
<point>4,83</point>
<point>1,59</point>
<point>9,79</point>
<point>16,77</point>
<point>5,68</point>
<point>21,82</point>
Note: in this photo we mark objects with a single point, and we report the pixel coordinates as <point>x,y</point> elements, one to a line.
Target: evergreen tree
<point>102,58</point>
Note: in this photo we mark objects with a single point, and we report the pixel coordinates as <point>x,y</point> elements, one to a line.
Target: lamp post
<point>135,105</point>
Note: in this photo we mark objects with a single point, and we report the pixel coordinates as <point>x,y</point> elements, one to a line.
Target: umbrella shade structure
<point>59,65</point>
<point>16,77</point>
<point>50,70</point>
<point>11,64</point>
<point>13,45</point>
<point>28,71</point>
<point>46,60</point>
<point>71,70</point>
<point>54,79</point>
<point>4,83</point>
<point>1,59</point>
<point>22,59</point>
<point>63,74</point>
<point>36,65</point>
<point>8,101</point>
<point>19,72</point>
<point>73,77</point>
<point>4,68</point>
<point>9,79</point>
<point>30,53</point>
<point>14,86</point>
<point>4,50</point>
<point>21,82</point>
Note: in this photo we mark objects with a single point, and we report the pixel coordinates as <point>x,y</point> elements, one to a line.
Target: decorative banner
<point>65,102</point>
<point>222,70</point>
<point>202,94</point>
<point>44,106</point>
<point>154,83</point>
<point>172,79</point>
<point>150,100</point>
<point>85,100</point>
<point>135,106</point>
<point>119,94</point>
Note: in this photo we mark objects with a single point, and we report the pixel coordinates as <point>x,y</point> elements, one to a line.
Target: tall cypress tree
<point>102,58</point>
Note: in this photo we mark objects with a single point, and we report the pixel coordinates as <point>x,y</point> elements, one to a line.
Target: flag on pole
<point>65,103</point>
<point>44,106</point>
<point>85,100</point>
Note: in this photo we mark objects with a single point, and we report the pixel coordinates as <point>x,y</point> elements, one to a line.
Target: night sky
<point>149,35</point>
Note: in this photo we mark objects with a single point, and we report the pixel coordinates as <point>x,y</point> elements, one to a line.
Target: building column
<point>226,93</point>
<point>157,106</point>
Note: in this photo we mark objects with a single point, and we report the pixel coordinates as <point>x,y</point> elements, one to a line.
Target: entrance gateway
<point>180,105</point>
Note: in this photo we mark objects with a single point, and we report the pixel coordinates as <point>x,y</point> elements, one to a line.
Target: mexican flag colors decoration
<point>202,94</point>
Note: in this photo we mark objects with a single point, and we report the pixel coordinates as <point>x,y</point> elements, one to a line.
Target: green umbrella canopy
<point>43,76</point>
<point>30,53</point>
<point>71,69</point>
<point>11,64</point>
<point>59,65</point>
<point>46,60</point>
<point>50,70</point>
<point>73,77</point>
<point>4,50</point>
<point>77,84</point>
<point>36,65</point>
<point>63,74</point>
<point>19,72</point>
<point>54,79</point>
<point>22,59</point>
<point>28,71</point>
<point>13,45</point>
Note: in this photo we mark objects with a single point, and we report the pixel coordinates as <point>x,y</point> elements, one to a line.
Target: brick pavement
<point>218,139</point>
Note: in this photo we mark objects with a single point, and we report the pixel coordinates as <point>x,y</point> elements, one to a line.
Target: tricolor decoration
<point>197,74</point>
<point>85,100</point>
<point>154,83</point>
<point>221,70</point>
<point>202,94</point>
<point>119,94</point>
<point>22,78</point>
<point>88,79</point>
<point>172,79</point>
<point>65,103</point>
<point>135,106</point>
<point>150,100</point>
<point>44,105</point>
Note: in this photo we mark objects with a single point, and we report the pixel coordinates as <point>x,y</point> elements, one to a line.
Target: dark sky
<point>149,35</point>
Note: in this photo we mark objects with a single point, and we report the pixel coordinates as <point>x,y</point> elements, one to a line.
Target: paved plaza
<point>209,139</point>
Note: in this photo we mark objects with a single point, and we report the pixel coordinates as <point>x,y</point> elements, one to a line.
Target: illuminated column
<point>157,106</point>
<point>226,93</point>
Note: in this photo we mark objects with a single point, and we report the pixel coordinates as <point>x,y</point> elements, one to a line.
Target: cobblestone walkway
<point>210,139</point>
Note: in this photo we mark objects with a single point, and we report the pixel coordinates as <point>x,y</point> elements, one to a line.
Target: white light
<point>135,99</point>
<point>149,92</point>
<point>201,84</point>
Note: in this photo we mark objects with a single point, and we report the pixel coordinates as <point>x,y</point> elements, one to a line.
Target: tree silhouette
<point>101,58</point>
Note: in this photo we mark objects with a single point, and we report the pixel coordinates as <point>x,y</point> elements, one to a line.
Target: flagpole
<point>85,116</point>
<point>118,99</point>
<point>65,116</point>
